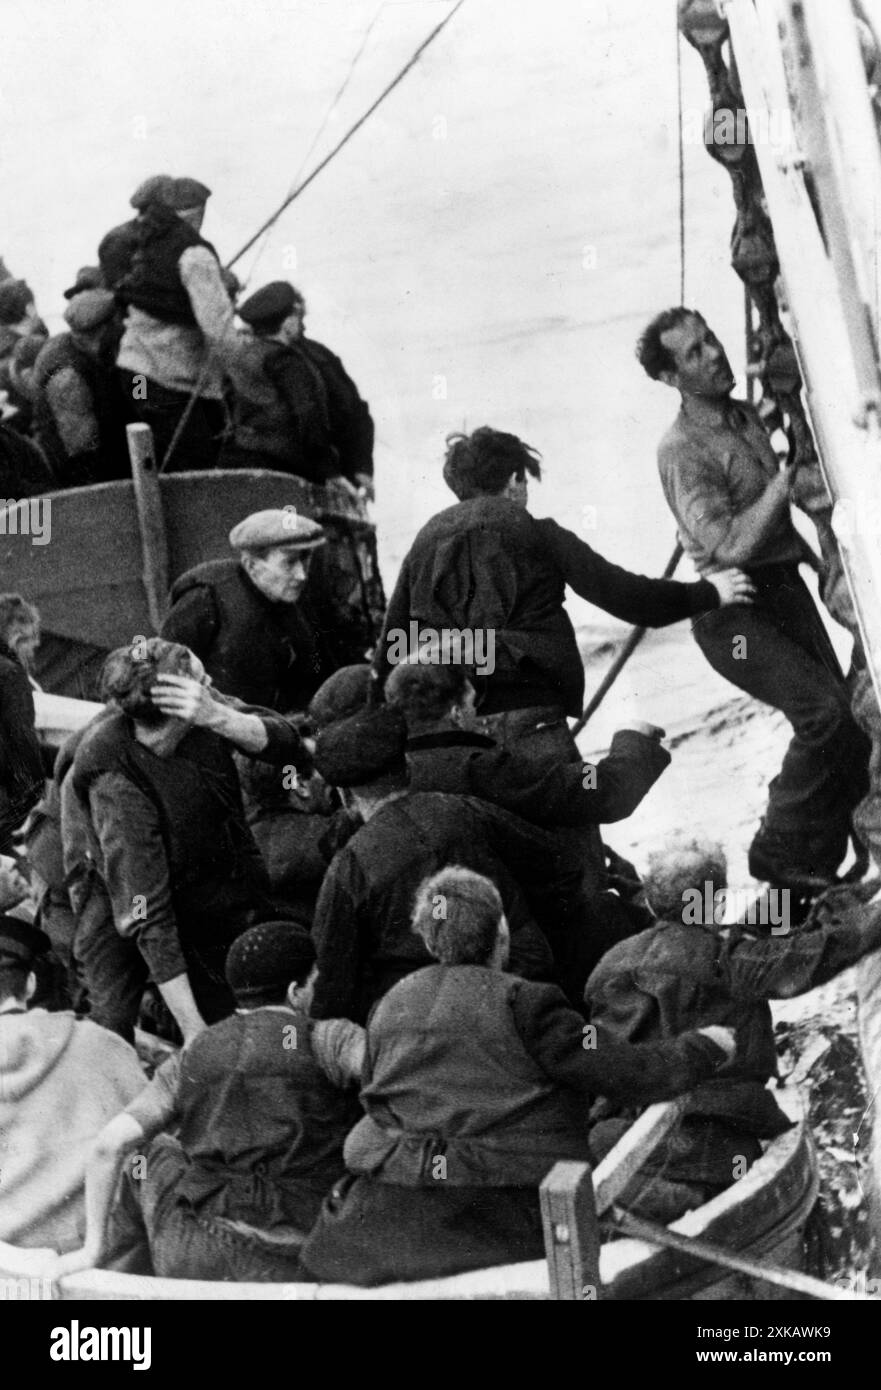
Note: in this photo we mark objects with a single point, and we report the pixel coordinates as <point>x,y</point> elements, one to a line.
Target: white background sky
<point>421,257</point>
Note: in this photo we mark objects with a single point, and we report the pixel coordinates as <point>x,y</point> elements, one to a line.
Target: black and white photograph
<point>440,662</point>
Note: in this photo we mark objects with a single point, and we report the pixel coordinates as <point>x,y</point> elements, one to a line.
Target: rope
<point>333,104</point>
<point>348,135</point>
<point>291,197</point>
<point>681,165</point>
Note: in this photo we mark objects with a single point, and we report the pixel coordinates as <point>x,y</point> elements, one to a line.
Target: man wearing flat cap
<point>295,408</point>
<point>246,617</point>
<point>268,1090</point>
<point>18,320</point>
<point>79,411</point>
<point>60,1082</point>
<point>117,248</point>
<point>179,319</point>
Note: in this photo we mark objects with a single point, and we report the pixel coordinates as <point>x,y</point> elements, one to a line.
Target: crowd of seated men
<point>371,908</point>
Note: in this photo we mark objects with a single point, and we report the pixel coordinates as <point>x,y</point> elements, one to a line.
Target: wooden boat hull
<point>87,579</point>
<point>763,1215</point>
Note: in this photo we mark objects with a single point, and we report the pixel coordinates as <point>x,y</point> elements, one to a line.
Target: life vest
<point>448,1078</point>
<point>261,1124</point>
<point>153,282</point>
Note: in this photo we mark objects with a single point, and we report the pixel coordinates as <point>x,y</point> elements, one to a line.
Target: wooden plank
<point>622,1163</point>
<point>572,1237</point>
<point>151,521</point>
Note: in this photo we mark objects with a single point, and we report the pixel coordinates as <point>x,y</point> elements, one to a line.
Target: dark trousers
<point>113,968</point>
<point>185,1242</point>
<point>162,409</point>
<point>777,650</point>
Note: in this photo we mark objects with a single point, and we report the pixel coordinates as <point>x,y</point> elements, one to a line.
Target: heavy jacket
<point>21,764</point>
<point>280,411</point>
<point>79,415</point>
<point>676,975</point>
<point>349,419</point>
<point>153,283</point>
<point>486,565</point>
<point>61,1081</point>
<point>362,927</point>
<point>261,652</point>
<point>260,1121</point>
<point>491,1075</point>
<point>178,859</point>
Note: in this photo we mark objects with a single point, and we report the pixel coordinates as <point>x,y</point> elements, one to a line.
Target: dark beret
<point>263,961</point>
<point>15,296</point>
<point>274,301</point>
<point>356,751</point>
<point>88,277</point>
<point>186,193</point>
<point>21,940</point>
<point>342,694</point>
<point>155,189</point>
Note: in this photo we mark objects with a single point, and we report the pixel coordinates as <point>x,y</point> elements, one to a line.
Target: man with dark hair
<point>361,927</point>
<point>485,566</point>
<point>248,619</point>
<point>182,871</point>
<point>475,1084</point>
<point>690,969</point>
<point>60,1082</point>
<point>731,501</point>
<point>261,1102</point>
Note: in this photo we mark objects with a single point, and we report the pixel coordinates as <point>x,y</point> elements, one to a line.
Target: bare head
<point>19,627</point>
<point>685,865</point>
<point>429,693</point>
<point>680,349</point>
<point>129,674</point>
<point>490,463</point>
<point>460,917</point>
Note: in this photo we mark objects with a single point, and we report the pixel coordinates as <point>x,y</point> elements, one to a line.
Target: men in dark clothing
<point>486,567</point>
<point>181,868</point>
<point>178,311</point>
<point>475,1084</point>
<point>570,799</point>
<point>687,970</point>
<point>362,918</point>
<point>246,619</point>
<point>79,412</point>
<point>21,763</point>
<point>262,1103</point>
<point>117,249</point>
<point>280,410</point>
<point>732,506</point>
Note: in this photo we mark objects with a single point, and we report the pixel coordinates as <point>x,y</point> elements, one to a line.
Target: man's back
<point>60,1082</point>
<point>362,921</point>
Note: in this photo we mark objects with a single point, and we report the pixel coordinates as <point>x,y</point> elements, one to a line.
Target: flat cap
<point>274,301</point>
<point>186,193</point>
<point>356,751</point>
<point>88,277</point>
<point>21,940</point>
<point>277,526</point>
<point>15,296</point>
<point>342,694</point>
<point>263,961</point>
<point>155,189</point>
<point>89,310</point>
